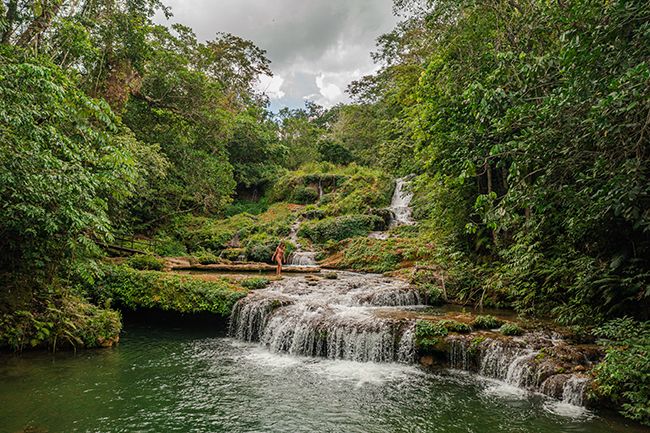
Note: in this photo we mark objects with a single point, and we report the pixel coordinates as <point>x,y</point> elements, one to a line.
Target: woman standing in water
<point>278,257</point>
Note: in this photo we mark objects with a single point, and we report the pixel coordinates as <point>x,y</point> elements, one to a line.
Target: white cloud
<point>305,40</point>
<point>272,86</point>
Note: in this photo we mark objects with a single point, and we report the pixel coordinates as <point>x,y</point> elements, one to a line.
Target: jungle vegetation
<point>525,123</point>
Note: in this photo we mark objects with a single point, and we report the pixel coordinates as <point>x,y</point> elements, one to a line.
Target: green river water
<point>166,379</point>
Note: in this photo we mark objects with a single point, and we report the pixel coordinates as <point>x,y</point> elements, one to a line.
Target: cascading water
<point>329,318</point>
<point>370,318</point>
<point>400,204</point>
<point>519,364</point>
<point>303,258</point>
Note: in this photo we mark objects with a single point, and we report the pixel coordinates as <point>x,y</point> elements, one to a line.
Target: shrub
<point>132,289</point>
<point>304,195</point>
<point>260,247</point>
<point>456,326</point>
<point>146,262</point>
<point>375,255</point>
<point>486,322</point>
<point>427,334</point>
<point>624,374</point>
<point>233,254</point>
<point>207,258</point>
<point>339,228</point>
<point>432,293</point>
<point>167,246</point>
<point>63,320</point>
<point>255,283</point>
<point>511,329</point>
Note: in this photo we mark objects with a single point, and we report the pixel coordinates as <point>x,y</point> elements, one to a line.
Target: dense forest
<point>524,126</point>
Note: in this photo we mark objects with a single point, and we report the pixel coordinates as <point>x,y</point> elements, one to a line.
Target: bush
<point>255,283</point>
<point>339,228</point>
<point>132,289</point>
<point>60,320</point>
<point>456,326</point>
<point>233,254</point>
<point>166,246</point>
<point>304,195</point>
<point>624,375</point>
<point>432,293</point>
<point>486,322</point>
<point>260,247</point>
<point>207,258</point>
<point>511,329</point>
<point>146,262</point>
<point>427,334</point>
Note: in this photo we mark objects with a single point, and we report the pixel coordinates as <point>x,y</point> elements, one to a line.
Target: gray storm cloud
<point>316,46</point>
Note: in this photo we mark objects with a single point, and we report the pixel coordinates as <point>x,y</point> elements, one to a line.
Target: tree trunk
<point>40,24</point>
<point>11,16</point>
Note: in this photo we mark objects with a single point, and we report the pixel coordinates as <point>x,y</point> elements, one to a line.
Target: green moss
<point>133,290</point>
<point>511,329</point>
<point>486,322</point>
<point>146,262</point>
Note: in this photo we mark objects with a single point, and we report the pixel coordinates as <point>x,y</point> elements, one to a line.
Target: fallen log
<point>246,267</point>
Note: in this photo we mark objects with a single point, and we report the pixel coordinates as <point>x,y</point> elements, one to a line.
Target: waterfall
<point>302,258</point>
<point>518,364</point>
<point>368,317</point>
<point>337,319</point>
<point>574,390</point>
<point>400,204</point>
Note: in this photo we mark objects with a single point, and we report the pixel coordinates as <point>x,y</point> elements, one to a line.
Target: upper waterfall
<point>400,204</point>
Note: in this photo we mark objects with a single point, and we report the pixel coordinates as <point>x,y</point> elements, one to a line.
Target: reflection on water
<point>173,380</point>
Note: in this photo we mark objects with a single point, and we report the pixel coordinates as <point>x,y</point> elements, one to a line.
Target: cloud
<point>308,42</point>
<point>272,86</point>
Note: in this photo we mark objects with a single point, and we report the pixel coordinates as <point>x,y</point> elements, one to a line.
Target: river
<point>163,378</point>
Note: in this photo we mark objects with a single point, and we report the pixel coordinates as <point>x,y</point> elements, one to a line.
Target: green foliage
<point>456,326</point>
<point>260,247</point>
<point>65,206</point>
<point>376,255</point>
<point>624,375</point>
<point>304,195</point>
<point>486,322</point>
<point>255,283</point>
<point>167,246</point>
<point>346,190</point>
<point>511,329</point>
<point>205,258</point>
<point>59,320</point>
<point>334,152</point>
<point>339,228</point>
<point>255,207</point>
<point>146,262</point>
<point>427,334</point>
<point>133,290</point>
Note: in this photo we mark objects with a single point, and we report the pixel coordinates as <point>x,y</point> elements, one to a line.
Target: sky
<point>316,47</point>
